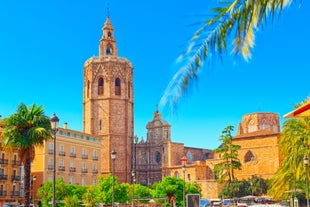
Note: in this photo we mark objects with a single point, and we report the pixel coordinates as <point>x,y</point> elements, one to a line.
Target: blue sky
<point>44,44</point>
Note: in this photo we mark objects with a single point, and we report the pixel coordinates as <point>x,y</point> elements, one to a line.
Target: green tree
<point>104,190</point>
<point>90,199</point>
<point>232,22</point>
<point>229,152</point>
<point>72,201</point>
<point>171,186</point>
<point>258,186</point>
<point>141,191</point>
<point>293,145</point>
<point>25,130</point>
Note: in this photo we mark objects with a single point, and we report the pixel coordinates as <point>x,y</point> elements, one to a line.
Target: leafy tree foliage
<point>72,201</point>
<point>229,152</point>
<point>171,186</point>
<point>24,130</point>
<point>254,186</point>
<point>231,21</point>
<point>293,145</point>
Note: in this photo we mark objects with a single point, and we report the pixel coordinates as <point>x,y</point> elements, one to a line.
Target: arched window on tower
<point>109,35</point>
<point>249,156</point>
<point>109,50</point>
<point>117,86</point>
<point>100,86</point>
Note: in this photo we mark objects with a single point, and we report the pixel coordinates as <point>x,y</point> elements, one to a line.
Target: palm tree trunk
<point>27,169</point>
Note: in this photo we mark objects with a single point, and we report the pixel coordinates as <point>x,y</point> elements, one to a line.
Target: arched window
<point>189,156</point>
<point>109,50</point>
<point>117,86</point>
<point>109,35</point>
<point>100,86</point>
<point>249,156</point>
<point>158,157</point>
<point>87,89</point>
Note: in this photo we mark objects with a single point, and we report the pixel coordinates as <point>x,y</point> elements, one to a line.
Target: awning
<point>302,111</point>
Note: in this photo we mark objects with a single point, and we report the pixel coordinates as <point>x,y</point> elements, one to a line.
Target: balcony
<point>61,168</point>
<point>3,161</point>
<point>2,193</point>
<point>50,167</point>
<point>84,170</point>
<point>3,177</point>
<point>62,153</point>
<point>51,151</point>
<point>95,171</point>
<point>15,193</point>
<point>72,169</point>
<point>95,157</point>
<point>15,162</point>
<point>84,156</point>
<point>15,177</point>
<point>72,154</point>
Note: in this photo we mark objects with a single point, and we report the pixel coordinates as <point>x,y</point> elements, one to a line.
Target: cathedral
<point>108,126</point>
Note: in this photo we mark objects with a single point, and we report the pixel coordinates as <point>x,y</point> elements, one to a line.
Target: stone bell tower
<point>108,104</point>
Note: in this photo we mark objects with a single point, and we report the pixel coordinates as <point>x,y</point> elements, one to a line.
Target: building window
<point>100,125</point>
<point>109,50</point>
<point>109,35</point>
<point>83,181</point>
<point>94,182</point>
<point>158,157</point>
<point>117,86</point>
<point>177,174</point>
<point>249,156</point>
<point>72,180</point>
<point>95,157</point>
<point>100,86</point>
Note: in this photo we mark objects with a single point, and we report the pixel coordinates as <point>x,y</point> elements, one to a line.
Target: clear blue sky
<point>44,44</point>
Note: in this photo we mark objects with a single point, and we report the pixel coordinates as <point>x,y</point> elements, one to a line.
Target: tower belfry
<point>108,103</point>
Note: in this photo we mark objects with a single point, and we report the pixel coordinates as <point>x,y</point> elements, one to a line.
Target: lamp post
<point>113,156</point>
<point>54,125</point>
<point>34,178</point>
<point>306,161</point>
<point>133,186</point>
<point>184,161</point>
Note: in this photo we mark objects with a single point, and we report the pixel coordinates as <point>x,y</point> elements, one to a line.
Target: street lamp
<point>54,125</point>
<point>133,186</point>
<point>184,161</point>
<point>306,165</point>
<point>34,178</point>
<point>113,156</point>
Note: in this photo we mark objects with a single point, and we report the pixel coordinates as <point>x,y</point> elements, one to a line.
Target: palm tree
<point>25,130</point>
<point>293,145</point>
<point>233,21</point>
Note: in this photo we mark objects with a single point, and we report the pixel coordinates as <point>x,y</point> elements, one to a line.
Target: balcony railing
<point>72,169</point>
<point>3,161</point>
<point>15,193</point>
<point>15,177</point>
<point>84,156</point>
<point>95,157</point>
<point>84,170</point>
<point>51,167</point>
<point>95,171</point>
<point>61,168</point>
<point>51,151</point>
<point>62,153</point>
<point>3,177</point>
<point>2,193</point>
<point>72,154</point>
<point>15,162</point>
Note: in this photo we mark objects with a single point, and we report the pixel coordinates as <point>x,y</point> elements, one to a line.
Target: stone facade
<point>108,104</point>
